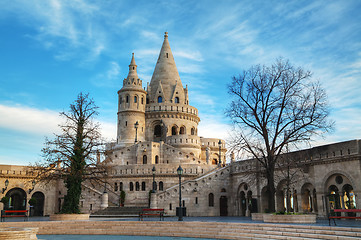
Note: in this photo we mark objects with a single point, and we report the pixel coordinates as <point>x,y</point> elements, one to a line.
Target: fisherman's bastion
<point>157,131</point>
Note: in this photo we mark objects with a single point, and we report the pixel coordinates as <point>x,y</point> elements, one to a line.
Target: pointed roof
<point>165,72</point>
<point>132,79</point>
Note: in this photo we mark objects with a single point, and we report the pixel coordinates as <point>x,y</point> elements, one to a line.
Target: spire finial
<point>165,35</point>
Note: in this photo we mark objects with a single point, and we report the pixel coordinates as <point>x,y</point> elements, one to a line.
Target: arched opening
<point>160,99</point>
<point>38,208</point>
<point>135,99</point>
<point>144,159</point>
<point>127,99</point>
<point>174,130</point>
<point>264,200</point>
<point>137,186</point>
<point>115,187</point>
<point>143,186</point>
<point>308,200</point>
<point>193,131</point>
<point>348,195</point>
<point>176,100</point>
<point>182,130</point>
<point>131,186</point>
<point>223,206</point>
<point>156,160</point>
<point>17,199</point>
<point>157,131</point>
<point>121,186</point>
<point>161,186</point>
<point>243,206</point>
<point>211,200</point>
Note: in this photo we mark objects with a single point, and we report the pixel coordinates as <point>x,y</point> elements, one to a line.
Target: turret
<point>131,108</point>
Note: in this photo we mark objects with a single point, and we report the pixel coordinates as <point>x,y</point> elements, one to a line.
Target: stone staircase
<point>115,211</point>
<point>216,230</point>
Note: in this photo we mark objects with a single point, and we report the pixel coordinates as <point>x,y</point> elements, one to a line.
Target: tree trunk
<point>271,189</point>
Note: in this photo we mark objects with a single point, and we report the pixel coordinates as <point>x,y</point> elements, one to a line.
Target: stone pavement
<point>320,222</point>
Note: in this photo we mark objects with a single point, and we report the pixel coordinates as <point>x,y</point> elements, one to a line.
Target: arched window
<point>143,186</point>
<point>174,130</point>
<point>135,99</point>
<point>142,100</point>
<point>131,186</point>
<point>144,159</point>
<point>127,99</point>
<point>211,200</point>
<point>115,186</point>
<point>160,186</point>
<point>182,130</point>
<point>160,99</point>
<point>158,131</point>
<point>137,186</point>
<point>192,131</point>
<point>156,159</point>
<point>176,100</point>
<point>120,186</point>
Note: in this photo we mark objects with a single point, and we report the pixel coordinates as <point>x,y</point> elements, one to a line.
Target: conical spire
<point>132,78</point>
<point>165,72</point>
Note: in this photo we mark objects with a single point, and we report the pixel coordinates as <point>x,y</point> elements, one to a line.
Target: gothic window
<point>156,159</point>
<point>127,99</point>
<point>131,186</point>
<point>158,131</point>
<point>176,100</point>
<point>144,159</point>
<point>160,186</point>
<point>115,186</point>
<point>137,187</point>
<point>142,100</point>
<point>120,186</point>
<point>192,131</point>
<point>135,99</point>
<point>174,130</point>
<point>143,186</point>
<point>160,99</point>
<point>211,200</point>
<point>182,130</point>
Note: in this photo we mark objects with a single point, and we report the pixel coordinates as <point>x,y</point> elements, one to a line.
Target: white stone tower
<point>169,117</point>
<point>131,108</point>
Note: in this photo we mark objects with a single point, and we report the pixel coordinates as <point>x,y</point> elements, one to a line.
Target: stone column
<point>104,201</point>
<point>153,200</point>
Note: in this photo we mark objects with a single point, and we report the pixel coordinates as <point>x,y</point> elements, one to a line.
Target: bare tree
<point>274,106</point>
<point>73,155</point>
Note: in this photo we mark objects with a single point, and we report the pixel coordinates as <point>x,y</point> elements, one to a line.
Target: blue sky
<point>52,50</point>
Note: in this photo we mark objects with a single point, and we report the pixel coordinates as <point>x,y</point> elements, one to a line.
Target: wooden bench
<point>152,212</point>
<point>14,213</point>
<point>344,217</point>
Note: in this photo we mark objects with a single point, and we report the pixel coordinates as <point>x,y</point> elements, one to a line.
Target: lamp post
<point>6,186</point>
<point>180,211</point>
<point>220,152</point>
<point>153,171</point>
<point>136,131</point>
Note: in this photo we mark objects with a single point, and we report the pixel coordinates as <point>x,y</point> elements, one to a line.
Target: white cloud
<point>39,122</point>
<point>110,77</point>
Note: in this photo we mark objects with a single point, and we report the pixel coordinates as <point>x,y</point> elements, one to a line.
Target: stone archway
<point>340,192</point>
<point>308,198</point>
<point>38,208</point>
<point>17,199</point>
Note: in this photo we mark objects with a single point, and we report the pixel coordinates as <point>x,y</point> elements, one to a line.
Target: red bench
<point>152,212</point>
<point>343,211</point>
<point>14,213</point>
